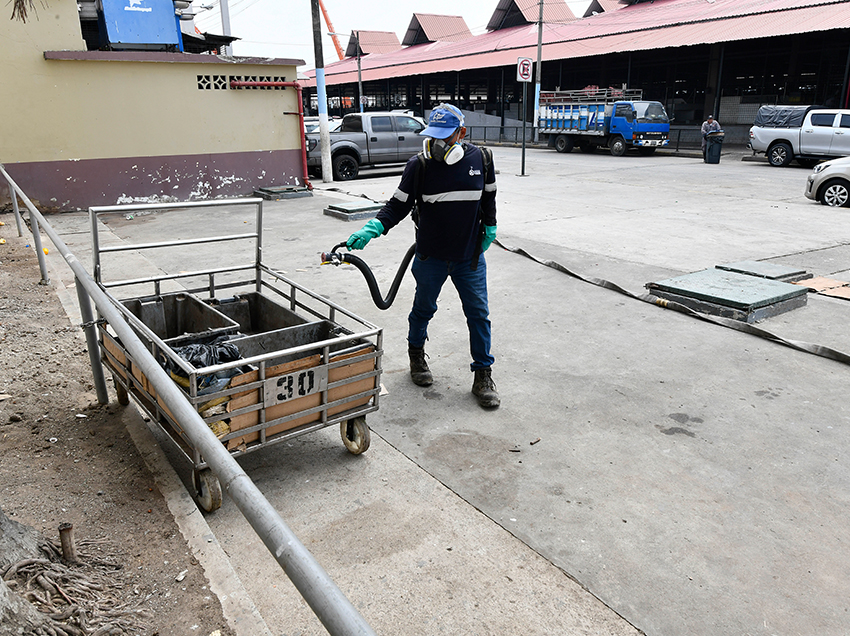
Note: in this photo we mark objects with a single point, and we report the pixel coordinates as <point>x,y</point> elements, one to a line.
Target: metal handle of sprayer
<point>338,258</point>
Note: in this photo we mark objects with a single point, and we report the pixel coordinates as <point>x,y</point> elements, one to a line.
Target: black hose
<point>336,258</point>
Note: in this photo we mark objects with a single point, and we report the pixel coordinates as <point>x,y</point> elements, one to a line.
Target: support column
<point>711,80</point>
<point>502,103</point>
<point>845,88</point>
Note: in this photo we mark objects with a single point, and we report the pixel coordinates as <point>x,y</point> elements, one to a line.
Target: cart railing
<point>328,602</point>
<point>333,309</point>
<point>359,333</point>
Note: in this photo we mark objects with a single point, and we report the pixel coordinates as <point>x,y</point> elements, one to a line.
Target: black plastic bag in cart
<point>200,356</point>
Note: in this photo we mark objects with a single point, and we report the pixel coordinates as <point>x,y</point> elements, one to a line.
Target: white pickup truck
<point>805,133</point>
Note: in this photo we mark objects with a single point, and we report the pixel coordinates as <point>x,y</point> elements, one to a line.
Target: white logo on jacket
<point>473,172</point>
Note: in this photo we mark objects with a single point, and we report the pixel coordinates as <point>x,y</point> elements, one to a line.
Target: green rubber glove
<point>489,237</point>
<point>357,241</point>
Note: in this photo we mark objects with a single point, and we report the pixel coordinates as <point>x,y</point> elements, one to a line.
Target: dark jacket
<point>448,220</point>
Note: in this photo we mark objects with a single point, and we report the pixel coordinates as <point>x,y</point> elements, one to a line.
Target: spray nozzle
<point>333,257</point>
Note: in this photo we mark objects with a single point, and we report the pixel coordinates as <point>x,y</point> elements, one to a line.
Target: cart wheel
<point>120,392</point>
<point>355,435</point>
<point>207,490</point>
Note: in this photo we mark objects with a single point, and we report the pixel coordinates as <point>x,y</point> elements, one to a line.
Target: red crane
<point>331,29</point>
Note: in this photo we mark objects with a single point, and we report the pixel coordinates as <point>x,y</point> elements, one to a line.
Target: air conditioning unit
<point>150,25</point>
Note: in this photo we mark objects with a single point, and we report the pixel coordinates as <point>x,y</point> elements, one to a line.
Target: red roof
<point>510,13</point>
<point>602,6</point>
<point>372,42</point>
<point>426,27</point>
<point>644,26</point>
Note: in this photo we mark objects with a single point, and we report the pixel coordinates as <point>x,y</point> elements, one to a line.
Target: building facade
<point>83,127</point>
<point>725,58</point>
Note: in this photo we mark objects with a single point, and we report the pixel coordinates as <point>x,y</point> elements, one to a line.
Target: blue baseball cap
<point>443,121</point>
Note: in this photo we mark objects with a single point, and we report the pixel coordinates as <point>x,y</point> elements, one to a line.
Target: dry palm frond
<point>21,9</point>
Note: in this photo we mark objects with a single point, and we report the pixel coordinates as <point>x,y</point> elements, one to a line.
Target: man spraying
<point>456,199</point>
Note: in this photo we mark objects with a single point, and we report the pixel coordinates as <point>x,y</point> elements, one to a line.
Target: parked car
<point>333,126</point>
<point>311,123</point>
<point>829,183</point>
<point>805,133</point>
<point>369,139</point>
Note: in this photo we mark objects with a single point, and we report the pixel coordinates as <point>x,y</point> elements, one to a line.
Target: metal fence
<point>327,601</point>
<point>685,138</point>
<point>499,134</point>
<point>680,139</point>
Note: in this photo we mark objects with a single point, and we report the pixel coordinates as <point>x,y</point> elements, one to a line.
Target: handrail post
<point>14,196</point>
<point>39,251</point>
<point>90,329</point>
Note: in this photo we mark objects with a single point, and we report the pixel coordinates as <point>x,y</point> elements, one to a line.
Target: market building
<point>724,57</point>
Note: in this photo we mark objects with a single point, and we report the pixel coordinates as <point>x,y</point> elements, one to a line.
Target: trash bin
<point>713,144</point>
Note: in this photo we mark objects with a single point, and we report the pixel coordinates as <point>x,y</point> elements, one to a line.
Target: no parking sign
<point>524,66</point>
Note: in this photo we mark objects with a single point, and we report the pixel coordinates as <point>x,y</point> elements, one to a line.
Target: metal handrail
<point>327,601</point>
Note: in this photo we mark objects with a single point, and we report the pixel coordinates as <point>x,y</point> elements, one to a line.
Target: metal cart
<point>303,362</point>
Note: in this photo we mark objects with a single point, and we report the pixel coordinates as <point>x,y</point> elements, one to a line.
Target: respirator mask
<point>439,150</point>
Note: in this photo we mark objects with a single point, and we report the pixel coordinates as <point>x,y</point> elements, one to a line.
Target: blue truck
<point>617,119</point>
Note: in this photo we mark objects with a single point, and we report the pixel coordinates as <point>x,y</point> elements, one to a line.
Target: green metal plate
<point>355,206</point>
<point>762,269</point>
<point>730,289</point>
<point>276,193</point>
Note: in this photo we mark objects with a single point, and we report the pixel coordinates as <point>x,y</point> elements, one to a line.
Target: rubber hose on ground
<point>381,302</point>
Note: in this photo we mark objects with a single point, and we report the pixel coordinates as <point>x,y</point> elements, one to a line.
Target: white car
<point>313,125</point>
<point>333,126</point>
<point>829,183</point>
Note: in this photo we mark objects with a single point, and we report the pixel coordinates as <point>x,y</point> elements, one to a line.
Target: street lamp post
<point>538,73</point>
<point>359,72</point>
<point>321,95</point>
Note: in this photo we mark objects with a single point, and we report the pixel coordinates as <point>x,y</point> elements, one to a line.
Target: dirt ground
<point>65,458</point>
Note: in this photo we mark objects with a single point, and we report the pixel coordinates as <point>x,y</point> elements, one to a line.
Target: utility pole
<point>359,75</point>
<point>321,95</point>
<point>227,49</point>
<point>538,72</point>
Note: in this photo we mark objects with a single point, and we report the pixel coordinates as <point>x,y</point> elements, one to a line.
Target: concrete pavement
<point>688,479</point>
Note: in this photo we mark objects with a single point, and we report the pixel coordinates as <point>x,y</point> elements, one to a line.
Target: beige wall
<point>59,110</point>
<point>97,109</point>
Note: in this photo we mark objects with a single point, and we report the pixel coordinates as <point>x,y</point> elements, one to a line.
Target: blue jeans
<point>430,274</point>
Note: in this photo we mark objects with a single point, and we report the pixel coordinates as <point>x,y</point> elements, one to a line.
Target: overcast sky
<point>284,28</point>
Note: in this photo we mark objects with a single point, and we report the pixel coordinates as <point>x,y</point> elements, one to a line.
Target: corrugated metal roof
<point>602,6</point>
<point>511,13</point>
<point>645,26</point>
<point>372,42</point>
<point>427,27</point>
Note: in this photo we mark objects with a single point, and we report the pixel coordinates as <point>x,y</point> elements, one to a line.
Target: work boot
<point>484,389</point>
<point>419,371</point>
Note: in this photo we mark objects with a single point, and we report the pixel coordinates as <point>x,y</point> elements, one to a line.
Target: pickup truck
<point>617,119</point>
<point>367,139</point>
<point>805,133</point>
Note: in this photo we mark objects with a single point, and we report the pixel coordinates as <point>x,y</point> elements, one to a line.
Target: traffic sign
<point>524,66</point>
